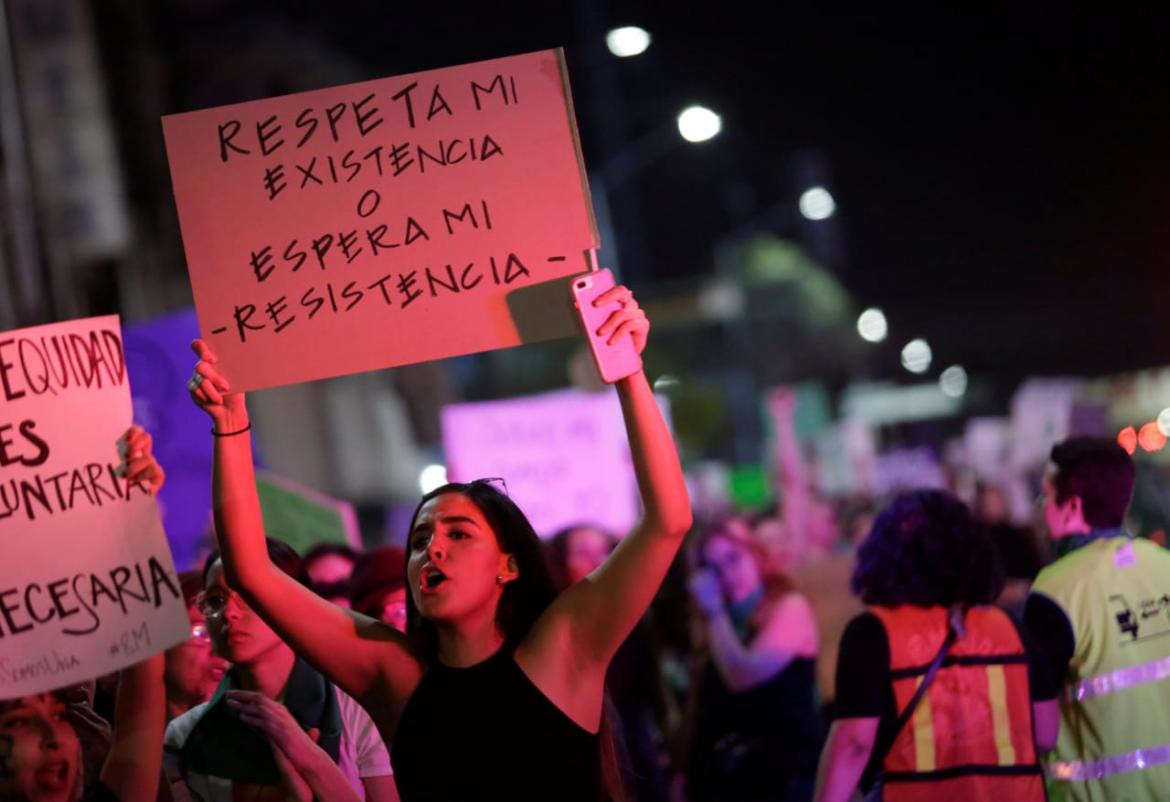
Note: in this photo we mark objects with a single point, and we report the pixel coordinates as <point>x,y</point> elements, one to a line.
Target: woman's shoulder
<point>792,606</point>
<point>791,616</point>
<point>865,627</point>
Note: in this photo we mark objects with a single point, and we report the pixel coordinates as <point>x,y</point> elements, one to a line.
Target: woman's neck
<point>742,611</point>
<point>465,643</point>
<point>269,673</point>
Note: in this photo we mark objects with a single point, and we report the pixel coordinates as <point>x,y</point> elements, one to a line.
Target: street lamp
<point>916,356</point>
<point>953,381</point>
<point>699,123</point>
<point>872,326</point>
<point>817,204</point>
<point>627,41</point>
<point>432,477</point>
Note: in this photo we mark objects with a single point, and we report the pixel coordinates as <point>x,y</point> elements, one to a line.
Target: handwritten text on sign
<point>378,223</point>
<point>564,456</point>
<point>87,585</point>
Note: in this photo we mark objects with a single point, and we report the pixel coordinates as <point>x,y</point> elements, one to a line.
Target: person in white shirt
<point>274,725</point>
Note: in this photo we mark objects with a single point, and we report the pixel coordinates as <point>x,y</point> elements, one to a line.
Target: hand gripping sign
<point>382,223</point>
<point>86,584</point>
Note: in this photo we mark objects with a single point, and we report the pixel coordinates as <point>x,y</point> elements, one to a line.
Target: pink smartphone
<point>613,361</point>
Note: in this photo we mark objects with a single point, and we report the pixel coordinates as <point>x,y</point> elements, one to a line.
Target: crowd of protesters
<point>909,648</point>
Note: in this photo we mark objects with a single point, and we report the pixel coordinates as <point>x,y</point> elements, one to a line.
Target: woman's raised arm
<point>357,653</point>
<point>601,610</point>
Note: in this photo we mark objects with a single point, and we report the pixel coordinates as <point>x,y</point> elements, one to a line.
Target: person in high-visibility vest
<point>1102,614</point>
<point>929,576</point>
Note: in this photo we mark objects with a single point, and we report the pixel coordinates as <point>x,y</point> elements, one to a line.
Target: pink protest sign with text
<point>87,585</point>
<point>383,223</point>
<point>564,456</point>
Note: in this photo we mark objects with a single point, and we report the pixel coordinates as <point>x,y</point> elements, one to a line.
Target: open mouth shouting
<point>53,776</point>
<point>431,579</point>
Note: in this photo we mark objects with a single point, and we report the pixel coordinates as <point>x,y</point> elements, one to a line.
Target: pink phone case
<point>613,361</point>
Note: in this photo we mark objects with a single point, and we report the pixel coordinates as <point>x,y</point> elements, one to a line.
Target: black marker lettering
<point>321,246</point>
<point>306,119</point>
<point>497,83</point>
<point>265,131</point>
<point>381,285</point>
<point>414,231</point>
<point>374,237</point>
<point>314,302</point>
<point>433,280</point>
<point>485,153</point>
<point>262,265</point>
<point>242,315</point>
<point>225,142</point>
<point>352,294</point>
<point>469,285</point>
<point>438,104</point>
<point>298,257</point>
<point>307,174</point>
<point>274,180</point>
<point>26,428</point>
<point>333,115</point>
<point>347,241</point>
<point>405,286</point>
<point>364,117</point>
<point>275,309</point>
<point>405,94</point>
<point>9,393</point>
<point>368,203</point>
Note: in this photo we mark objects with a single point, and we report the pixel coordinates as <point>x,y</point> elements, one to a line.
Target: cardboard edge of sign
<point>571,111</point>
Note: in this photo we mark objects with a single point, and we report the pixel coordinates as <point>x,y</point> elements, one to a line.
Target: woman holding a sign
<point>496,689</point>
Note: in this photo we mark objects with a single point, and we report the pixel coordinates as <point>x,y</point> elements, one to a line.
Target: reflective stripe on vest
<point>1136,760</point>
<point>1124,678</point>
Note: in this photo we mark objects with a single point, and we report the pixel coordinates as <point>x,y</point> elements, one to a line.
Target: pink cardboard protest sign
<point>87,585</point>
<point>381,223</point>
<point>564,456</point>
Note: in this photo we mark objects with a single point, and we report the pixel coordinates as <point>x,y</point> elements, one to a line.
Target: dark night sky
<point>1001,180</point>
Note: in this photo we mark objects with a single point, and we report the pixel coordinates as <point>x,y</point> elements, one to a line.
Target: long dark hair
<point>524,598</point>
<point>522,601</point>
<point>925,549</point>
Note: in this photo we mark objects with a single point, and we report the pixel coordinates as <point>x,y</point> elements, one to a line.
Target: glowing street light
<point>916,356</point>
<point>1164,421</point>
<point>699,123</point>
<point>1127,438</point>
<point>817,204</point>
<point>1150,437</point>
<point>432,477</point>
<point>872,326</point>
<point>627,41</point>
<point>953,381</point>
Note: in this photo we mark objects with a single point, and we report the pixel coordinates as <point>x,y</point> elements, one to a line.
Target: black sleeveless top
<point>486,732</point>
<point>758,744</point>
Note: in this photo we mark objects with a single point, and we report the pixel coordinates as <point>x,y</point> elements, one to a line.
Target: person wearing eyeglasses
<point>496,689</point>
<point>193,669</point>
<point>274,728</point>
